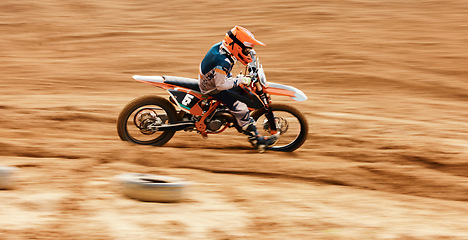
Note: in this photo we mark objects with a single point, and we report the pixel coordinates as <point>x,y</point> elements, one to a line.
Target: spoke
<point>140,122</point>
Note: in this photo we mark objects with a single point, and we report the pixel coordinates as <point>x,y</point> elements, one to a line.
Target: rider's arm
<point>222,81</point>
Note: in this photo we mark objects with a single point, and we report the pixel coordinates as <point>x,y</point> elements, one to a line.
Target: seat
<point>189,83</point>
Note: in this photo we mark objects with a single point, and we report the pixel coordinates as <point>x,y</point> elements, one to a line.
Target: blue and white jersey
<point>215,71</point>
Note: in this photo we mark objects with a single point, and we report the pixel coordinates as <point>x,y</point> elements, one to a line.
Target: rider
<point>215,79</point>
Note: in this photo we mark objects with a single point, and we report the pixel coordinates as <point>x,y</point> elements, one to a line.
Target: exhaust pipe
<point>173,126</point>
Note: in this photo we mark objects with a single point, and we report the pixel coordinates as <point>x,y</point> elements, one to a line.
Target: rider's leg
<point>257,140</point>
<point>242,114</point>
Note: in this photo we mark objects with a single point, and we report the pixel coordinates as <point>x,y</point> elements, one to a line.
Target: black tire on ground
<point>158,138</point>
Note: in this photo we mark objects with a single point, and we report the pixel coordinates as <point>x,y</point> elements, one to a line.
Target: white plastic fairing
<point>298,94</point>
<point>155,79</point>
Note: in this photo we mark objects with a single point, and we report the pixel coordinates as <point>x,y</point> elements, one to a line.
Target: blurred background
<point>385,156</point>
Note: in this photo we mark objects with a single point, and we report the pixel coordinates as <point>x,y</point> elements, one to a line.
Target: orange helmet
<point>239,41</point>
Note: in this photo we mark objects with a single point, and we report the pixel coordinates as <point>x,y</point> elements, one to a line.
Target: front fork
<point>271,119</point>
<point>269,113</point>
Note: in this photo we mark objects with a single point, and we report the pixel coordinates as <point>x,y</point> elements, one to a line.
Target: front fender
<point>285,90</point>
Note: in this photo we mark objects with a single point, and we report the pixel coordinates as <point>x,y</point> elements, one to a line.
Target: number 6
<point>187,99</point>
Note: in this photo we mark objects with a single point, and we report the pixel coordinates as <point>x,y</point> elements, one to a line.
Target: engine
<point>215,124</point>
<point>218,121</point>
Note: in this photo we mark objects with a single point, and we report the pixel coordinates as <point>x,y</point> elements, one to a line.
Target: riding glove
<point>241,79</point>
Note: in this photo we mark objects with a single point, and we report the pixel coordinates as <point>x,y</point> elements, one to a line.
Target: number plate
<point>185,100</point>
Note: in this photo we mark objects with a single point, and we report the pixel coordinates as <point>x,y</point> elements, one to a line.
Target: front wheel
<point>291,124</point>
<point>138,121</point>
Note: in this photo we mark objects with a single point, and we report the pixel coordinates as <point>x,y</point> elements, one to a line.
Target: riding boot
<point>261,143</point>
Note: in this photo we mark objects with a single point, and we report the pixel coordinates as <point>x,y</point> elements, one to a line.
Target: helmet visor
<point>246,51</point>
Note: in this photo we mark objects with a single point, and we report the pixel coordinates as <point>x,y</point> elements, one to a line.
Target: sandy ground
<point>386,156</point>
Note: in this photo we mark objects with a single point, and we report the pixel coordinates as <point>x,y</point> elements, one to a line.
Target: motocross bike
<point>153,120</point>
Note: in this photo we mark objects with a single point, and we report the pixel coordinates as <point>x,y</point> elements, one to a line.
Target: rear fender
<point>185,98</point>
<point>157,81</point>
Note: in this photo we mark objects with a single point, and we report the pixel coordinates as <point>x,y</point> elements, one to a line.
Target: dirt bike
<point>153,120</point>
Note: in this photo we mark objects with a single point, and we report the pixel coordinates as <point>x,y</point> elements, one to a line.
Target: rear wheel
<point>138,121</point>
<point>291,124</point>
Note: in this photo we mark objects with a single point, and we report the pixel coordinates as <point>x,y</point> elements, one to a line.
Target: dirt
<point>385,158</point>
